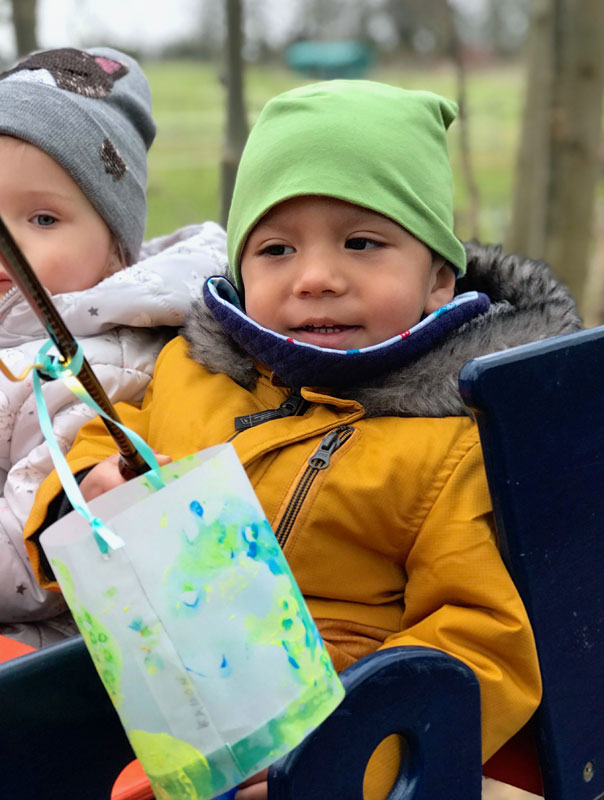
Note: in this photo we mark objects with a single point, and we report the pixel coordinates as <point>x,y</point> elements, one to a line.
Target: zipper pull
<point>329,444</point>
<point>292,406</point>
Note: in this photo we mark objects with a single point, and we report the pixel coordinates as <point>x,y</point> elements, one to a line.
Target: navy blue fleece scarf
<point>299,364</point>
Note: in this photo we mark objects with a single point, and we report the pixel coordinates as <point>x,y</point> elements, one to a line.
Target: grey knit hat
<point>89,110</point>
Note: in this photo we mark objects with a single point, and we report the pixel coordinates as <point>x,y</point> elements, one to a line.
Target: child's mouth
<point>325,334</point>
<point>325,328</point>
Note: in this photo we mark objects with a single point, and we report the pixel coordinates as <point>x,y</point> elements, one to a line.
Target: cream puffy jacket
<point>122,323</point>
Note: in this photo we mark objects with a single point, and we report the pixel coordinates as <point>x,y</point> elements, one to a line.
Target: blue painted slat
<point>540,411</point>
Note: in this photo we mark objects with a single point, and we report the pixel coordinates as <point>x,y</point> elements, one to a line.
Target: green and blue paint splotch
<point>178,771</point>
<point>102,646</point>
<point>149,640</point>
<point>240,536</point>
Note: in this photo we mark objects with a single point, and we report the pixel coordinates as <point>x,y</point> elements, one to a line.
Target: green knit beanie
<point>368,143</point>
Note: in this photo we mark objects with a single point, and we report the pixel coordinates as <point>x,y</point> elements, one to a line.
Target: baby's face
<point>333,274</point>
<point>65,240</point>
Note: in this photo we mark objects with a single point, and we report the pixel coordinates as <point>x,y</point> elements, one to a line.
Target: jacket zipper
<point>319,460</point>
<point>293,406</point>
<point>8,298</point>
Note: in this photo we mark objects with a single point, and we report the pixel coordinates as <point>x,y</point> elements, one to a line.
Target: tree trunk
<point>527,230</point>
<point>456,51</point>
<point>558,154</point>
<point>24,24</point>
<point>236,119</point>
<point>576,134</point>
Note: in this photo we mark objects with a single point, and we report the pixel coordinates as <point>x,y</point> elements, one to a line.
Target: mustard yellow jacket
<point>391,543</point>
<point>385,519</point>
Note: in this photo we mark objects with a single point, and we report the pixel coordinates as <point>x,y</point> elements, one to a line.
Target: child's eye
<point>44,220</point>
<point>277,250</point>
<point>361,243</point>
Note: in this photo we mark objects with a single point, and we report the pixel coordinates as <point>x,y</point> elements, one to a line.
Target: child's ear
<point>443,285</point>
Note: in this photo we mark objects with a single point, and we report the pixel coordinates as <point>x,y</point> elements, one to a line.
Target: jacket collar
<point>527,304</point>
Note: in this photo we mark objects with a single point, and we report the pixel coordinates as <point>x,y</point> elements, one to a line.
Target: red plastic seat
<point>132,784</point>
<point>10,648</point>
<point>517,763</point>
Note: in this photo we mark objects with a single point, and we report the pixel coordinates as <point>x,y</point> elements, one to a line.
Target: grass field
<point>189,109</point>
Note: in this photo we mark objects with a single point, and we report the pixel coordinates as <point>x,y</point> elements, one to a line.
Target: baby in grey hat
<point>75,127</point>
<point>90,111</point>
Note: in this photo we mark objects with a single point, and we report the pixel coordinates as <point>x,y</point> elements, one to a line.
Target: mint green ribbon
<point>105,538</point>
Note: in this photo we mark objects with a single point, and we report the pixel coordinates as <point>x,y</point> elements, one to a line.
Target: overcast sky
<point>68,22</point>
<point>146,23</point>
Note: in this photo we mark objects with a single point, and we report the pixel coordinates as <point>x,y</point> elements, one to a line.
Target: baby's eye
<point>277,250</point>
<point>44,220</point>
<point>361,243</point>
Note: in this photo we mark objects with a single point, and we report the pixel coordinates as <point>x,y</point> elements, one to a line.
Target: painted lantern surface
<point>196,626</point>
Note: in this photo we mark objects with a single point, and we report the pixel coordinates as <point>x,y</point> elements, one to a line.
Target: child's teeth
<point>323,329</point>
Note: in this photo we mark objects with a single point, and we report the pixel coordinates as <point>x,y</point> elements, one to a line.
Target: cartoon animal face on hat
<point>73,70</point>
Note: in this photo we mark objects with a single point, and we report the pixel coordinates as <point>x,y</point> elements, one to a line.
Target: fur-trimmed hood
<point>528,303</point>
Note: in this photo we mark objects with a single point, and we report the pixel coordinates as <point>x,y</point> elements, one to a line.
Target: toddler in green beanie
<point>369,144</point>
<point>384,201</point>
<point>328,356</point>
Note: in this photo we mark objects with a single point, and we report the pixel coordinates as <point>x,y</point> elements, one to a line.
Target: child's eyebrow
<point>360,216</point>
<point>366,214</point>
<point>46,195</point>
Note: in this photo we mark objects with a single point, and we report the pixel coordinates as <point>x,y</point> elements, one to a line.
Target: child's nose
<point>319,274</point>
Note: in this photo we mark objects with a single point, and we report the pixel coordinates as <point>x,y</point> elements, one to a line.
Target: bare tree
<point>414,18</point>
<point>24,24</point>
<point>456,51</point>
<point>504,25</point>
<point>236,121</point>
<point>562,128</point>
<point>212,28</point>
